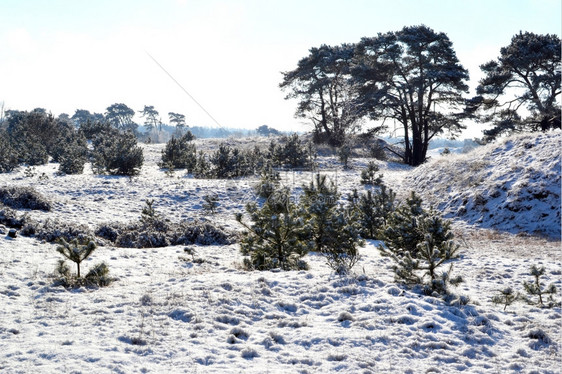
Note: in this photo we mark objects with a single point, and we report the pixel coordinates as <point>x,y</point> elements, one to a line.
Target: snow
<point>169,313</point>
<point>513,185</point>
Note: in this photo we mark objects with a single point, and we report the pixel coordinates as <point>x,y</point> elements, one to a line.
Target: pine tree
<point>537,288</point>
<point>76,251</point>
<point>368,175</point>
<point>269,182</point>
<point>373,208</point>
<point>506,297</point>
<point>180,153</point>
<point>334,230</point>
<point>401,233</point>
<point>420,242</point>
<point>277,236</point>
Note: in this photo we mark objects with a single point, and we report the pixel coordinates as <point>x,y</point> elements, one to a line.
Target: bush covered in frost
<point>24,198</point>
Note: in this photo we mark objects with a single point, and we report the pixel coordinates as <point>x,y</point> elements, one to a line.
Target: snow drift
<point>513,185</point>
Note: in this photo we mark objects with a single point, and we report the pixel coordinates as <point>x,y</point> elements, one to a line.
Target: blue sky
<point>64,55</point>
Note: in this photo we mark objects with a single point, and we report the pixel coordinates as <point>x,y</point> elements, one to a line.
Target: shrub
<point>268,183</point>
<point>8,155</point>
<point>53,230</point>
<point>34,134</point>
<point>334,231</point>
<point>369,177</point>
<point>72,154</point>
<point>10,217</point>
<point>117,153</point>
<point>24,198</point>
<point>373,208</point>
<point>277,236</point>
<point>377,152</point>
<point>420,242</point>
<point>180,153</point>
<point>344,153</point>
<point>290,153</point>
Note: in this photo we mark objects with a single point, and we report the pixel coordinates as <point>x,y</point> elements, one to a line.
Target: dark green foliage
<point>527,73</point>
<point>226,162</point>
<point>389,68</point>
<point>536,288</point>
<point>368,175</point>
<point>373,208</point>
<point>34,134</point>
<point>402,232</point>
<point>290,152</point>
<point>323,85</point>
<point>98,276</point>
<point>180,153</point>
<point>377,152</point>
<point>90,129</point>
<point>24,198</point>
<point>9,158</point>
<point>333,230</point>
<point>76,251</point>
<point>202,166</point>
<point>148,213</point>
<point>269,183</point>
<point>506,297</point>
<point>73,154</point>
<point>117,153</point>
<point>277,236</point>
<point>420,242</point>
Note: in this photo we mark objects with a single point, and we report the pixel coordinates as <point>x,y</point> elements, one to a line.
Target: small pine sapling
<point>76,251</point>
<point>368,175</point>
<point>420,242</point>
<point>148,213</point>
<point>506,297</point>
<point>277,236</point>
<point>536,288</point>
<point>344,153</point>
<point>335,232</point>
<point>211,203</point>
<point>268,183</point>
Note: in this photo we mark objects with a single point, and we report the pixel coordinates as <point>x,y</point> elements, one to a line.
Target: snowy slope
<point>513,185</point>
<point>169,313</point>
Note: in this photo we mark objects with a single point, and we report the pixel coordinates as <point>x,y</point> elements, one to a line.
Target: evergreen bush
<point>24,198</point>
<point>277,236</point>
<point>333,229</point>
<point>373,208</point>
<point>420,242</point>
<point>117,153</point>
<point>269,183</point>
<point>368,175</point>
<point>180,153</point>
<point>9,157</point>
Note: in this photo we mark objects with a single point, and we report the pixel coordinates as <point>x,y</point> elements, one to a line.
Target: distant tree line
<point>413,78</point>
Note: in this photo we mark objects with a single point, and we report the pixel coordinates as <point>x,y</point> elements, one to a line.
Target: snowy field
<point>172,312</point>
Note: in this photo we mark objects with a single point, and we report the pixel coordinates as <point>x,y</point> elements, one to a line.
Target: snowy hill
<point>512,186</point>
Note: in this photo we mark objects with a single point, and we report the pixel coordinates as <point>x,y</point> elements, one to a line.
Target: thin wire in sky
<point>184,90</point>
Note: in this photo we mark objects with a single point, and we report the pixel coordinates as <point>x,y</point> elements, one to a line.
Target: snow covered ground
<point>169,312</point>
